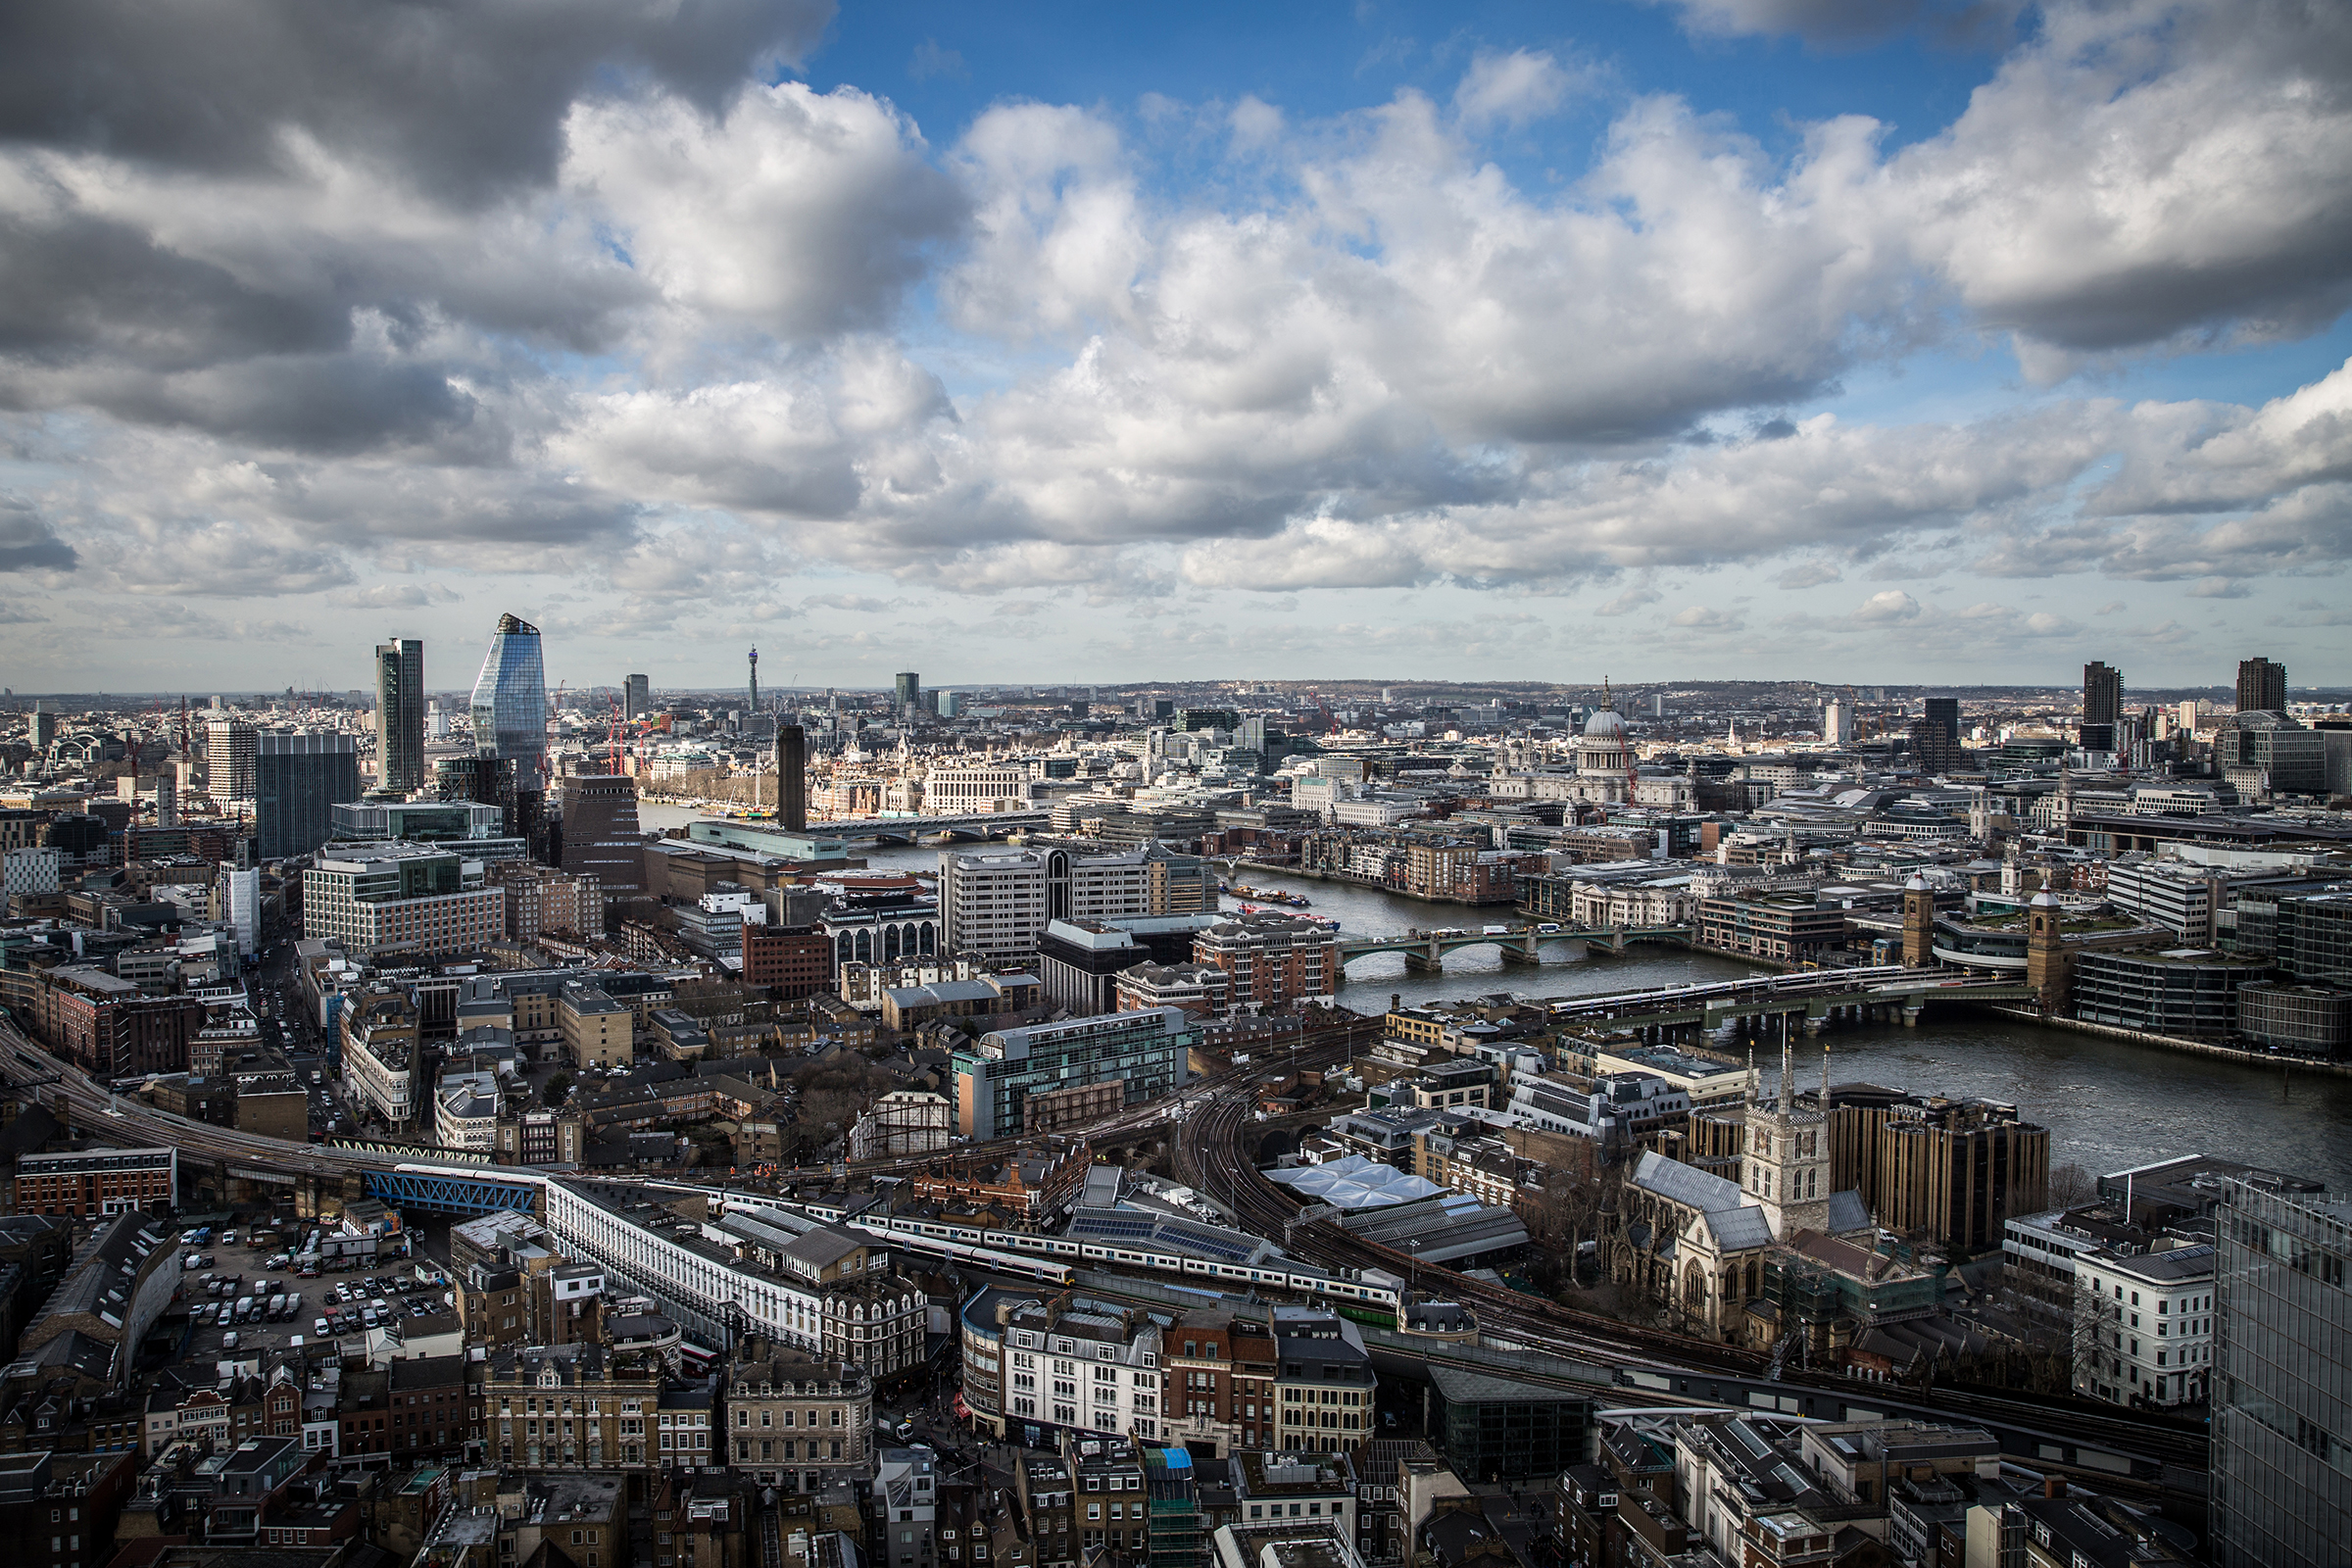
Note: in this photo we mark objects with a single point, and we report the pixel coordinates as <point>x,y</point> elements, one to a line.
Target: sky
<point>1883,341</point>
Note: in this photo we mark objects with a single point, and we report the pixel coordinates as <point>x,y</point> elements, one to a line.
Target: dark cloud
<point>326,405</point>
<point>27,543</point>
<point>75,285</point>
<point>465,100</point>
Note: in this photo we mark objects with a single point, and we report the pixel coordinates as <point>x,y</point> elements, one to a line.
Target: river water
<point>2109,1104</point>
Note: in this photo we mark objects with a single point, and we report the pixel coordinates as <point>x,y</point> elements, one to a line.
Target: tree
<point>2071,1187</point>
<point>557,1089</point>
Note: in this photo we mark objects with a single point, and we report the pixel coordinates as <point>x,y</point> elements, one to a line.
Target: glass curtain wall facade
<point>400,714</point>
<point>510,702</point>
<point>298,782</point>
<point>2281,1454</point>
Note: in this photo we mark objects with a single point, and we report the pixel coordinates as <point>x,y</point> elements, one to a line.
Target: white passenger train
<point>1048,1259</point>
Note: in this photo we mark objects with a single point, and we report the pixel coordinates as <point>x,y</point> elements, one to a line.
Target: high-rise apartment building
<point>600,836</point>
<point>909,693</point>
<point>229,746</point>
<point>298,782</point>
<point>400,714</point>
<point>2281,1491</point>
<point>510,704</point>
<point>2103,705</point>
<point>637,696</point>
<point>2260,686</point>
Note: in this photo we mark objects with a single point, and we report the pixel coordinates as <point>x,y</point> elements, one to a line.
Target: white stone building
<point>2143,1326</point>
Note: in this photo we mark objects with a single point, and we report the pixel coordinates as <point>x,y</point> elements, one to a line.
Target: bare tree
<point>2071,1187</point>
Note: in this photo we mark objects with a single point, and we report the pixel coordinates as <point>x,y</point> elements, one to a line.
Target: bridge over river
<point>1425,951</point>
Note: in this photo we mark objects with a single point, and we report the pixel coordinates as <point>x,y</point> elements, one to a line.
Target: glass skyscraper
<point>2281,1455</point>
<point>510,704</point>
<point>400,714</point>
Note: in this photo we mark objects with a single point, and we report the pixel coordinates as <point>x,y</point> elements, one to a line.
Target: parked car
<point>321,1328</point>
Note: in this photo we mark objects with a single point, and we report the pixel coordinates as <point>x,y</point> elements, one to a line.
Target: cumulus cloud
<point>582,294</point>
<point>802,214</point>
<point>1700,617</point>
<point>1510,89</point>
<point>1880,608</point>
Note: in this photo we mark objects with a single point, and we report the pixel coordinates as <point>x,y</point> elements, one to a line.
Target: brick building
<point>786,961</point>
<point>1271,958</point>
<point>94,1181</point>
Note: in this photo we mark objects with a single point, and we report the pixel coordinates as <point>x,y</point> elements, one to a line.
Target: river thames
<point>2109,1104</point>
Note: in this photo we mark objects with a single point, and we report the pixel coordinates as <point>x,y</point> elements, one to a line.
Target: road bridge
<point>1425,951</point>
<point>911,829</point>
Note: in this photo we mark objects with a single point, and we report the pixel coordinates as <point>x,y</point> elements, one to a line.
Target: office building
<point>379,899</point>
<point>1954,1170</point>
<point>1936,737</point>
<point>2143,1326</point>
<point>965,791</point>
<point>298,780</point>
<point>2315,938</point>
<point>1048,1076</point>
<point>1324,1380</point>
<point>909,693</point>
<point>44,728</point>
<point>239,891</point>
<point>951,705</point>
<point>229,746</point>
<point>637,696</point>
<point>2281,1410</point>
<point>2260,686</point>
<point>997,902</point>
<point>88,1184</point>
<point>2265,754</point>
<point>793,1417</point>
<point>510,704</point>
<point>2103,705</point>
<point>2186,991</point>
<point>400,715</point>
<point>601,835</point>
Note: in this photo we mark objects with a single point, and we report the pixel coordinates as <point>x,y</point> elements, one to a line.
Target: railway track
<point>1210,1153</point>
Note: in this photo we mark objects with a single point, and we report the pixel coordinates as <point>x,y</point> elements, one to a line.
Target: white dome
<point>1604,724</point>
<point>1917,884</point>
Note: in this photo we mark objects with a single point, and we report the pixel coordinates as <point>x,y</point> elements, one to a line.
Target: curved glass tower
<point>510,702</point>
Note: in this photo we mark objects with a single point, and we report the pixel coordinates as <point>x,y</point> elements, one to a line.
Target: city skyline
<point>1483,342</point>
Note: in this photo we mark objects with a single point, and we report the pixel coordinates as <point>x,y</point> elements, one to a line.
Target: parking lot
<point>244,1298</point>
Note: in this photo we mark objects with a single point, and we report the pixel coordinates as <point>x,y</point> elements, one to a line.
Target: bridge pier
<point>1521,951</point>
<point>1425,960</point>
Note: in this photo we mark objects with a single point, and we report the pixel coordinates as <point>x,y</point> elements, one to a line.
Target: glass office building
<point>298,782</point>
<point>510,704</point>
<point>2281,1455</point>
